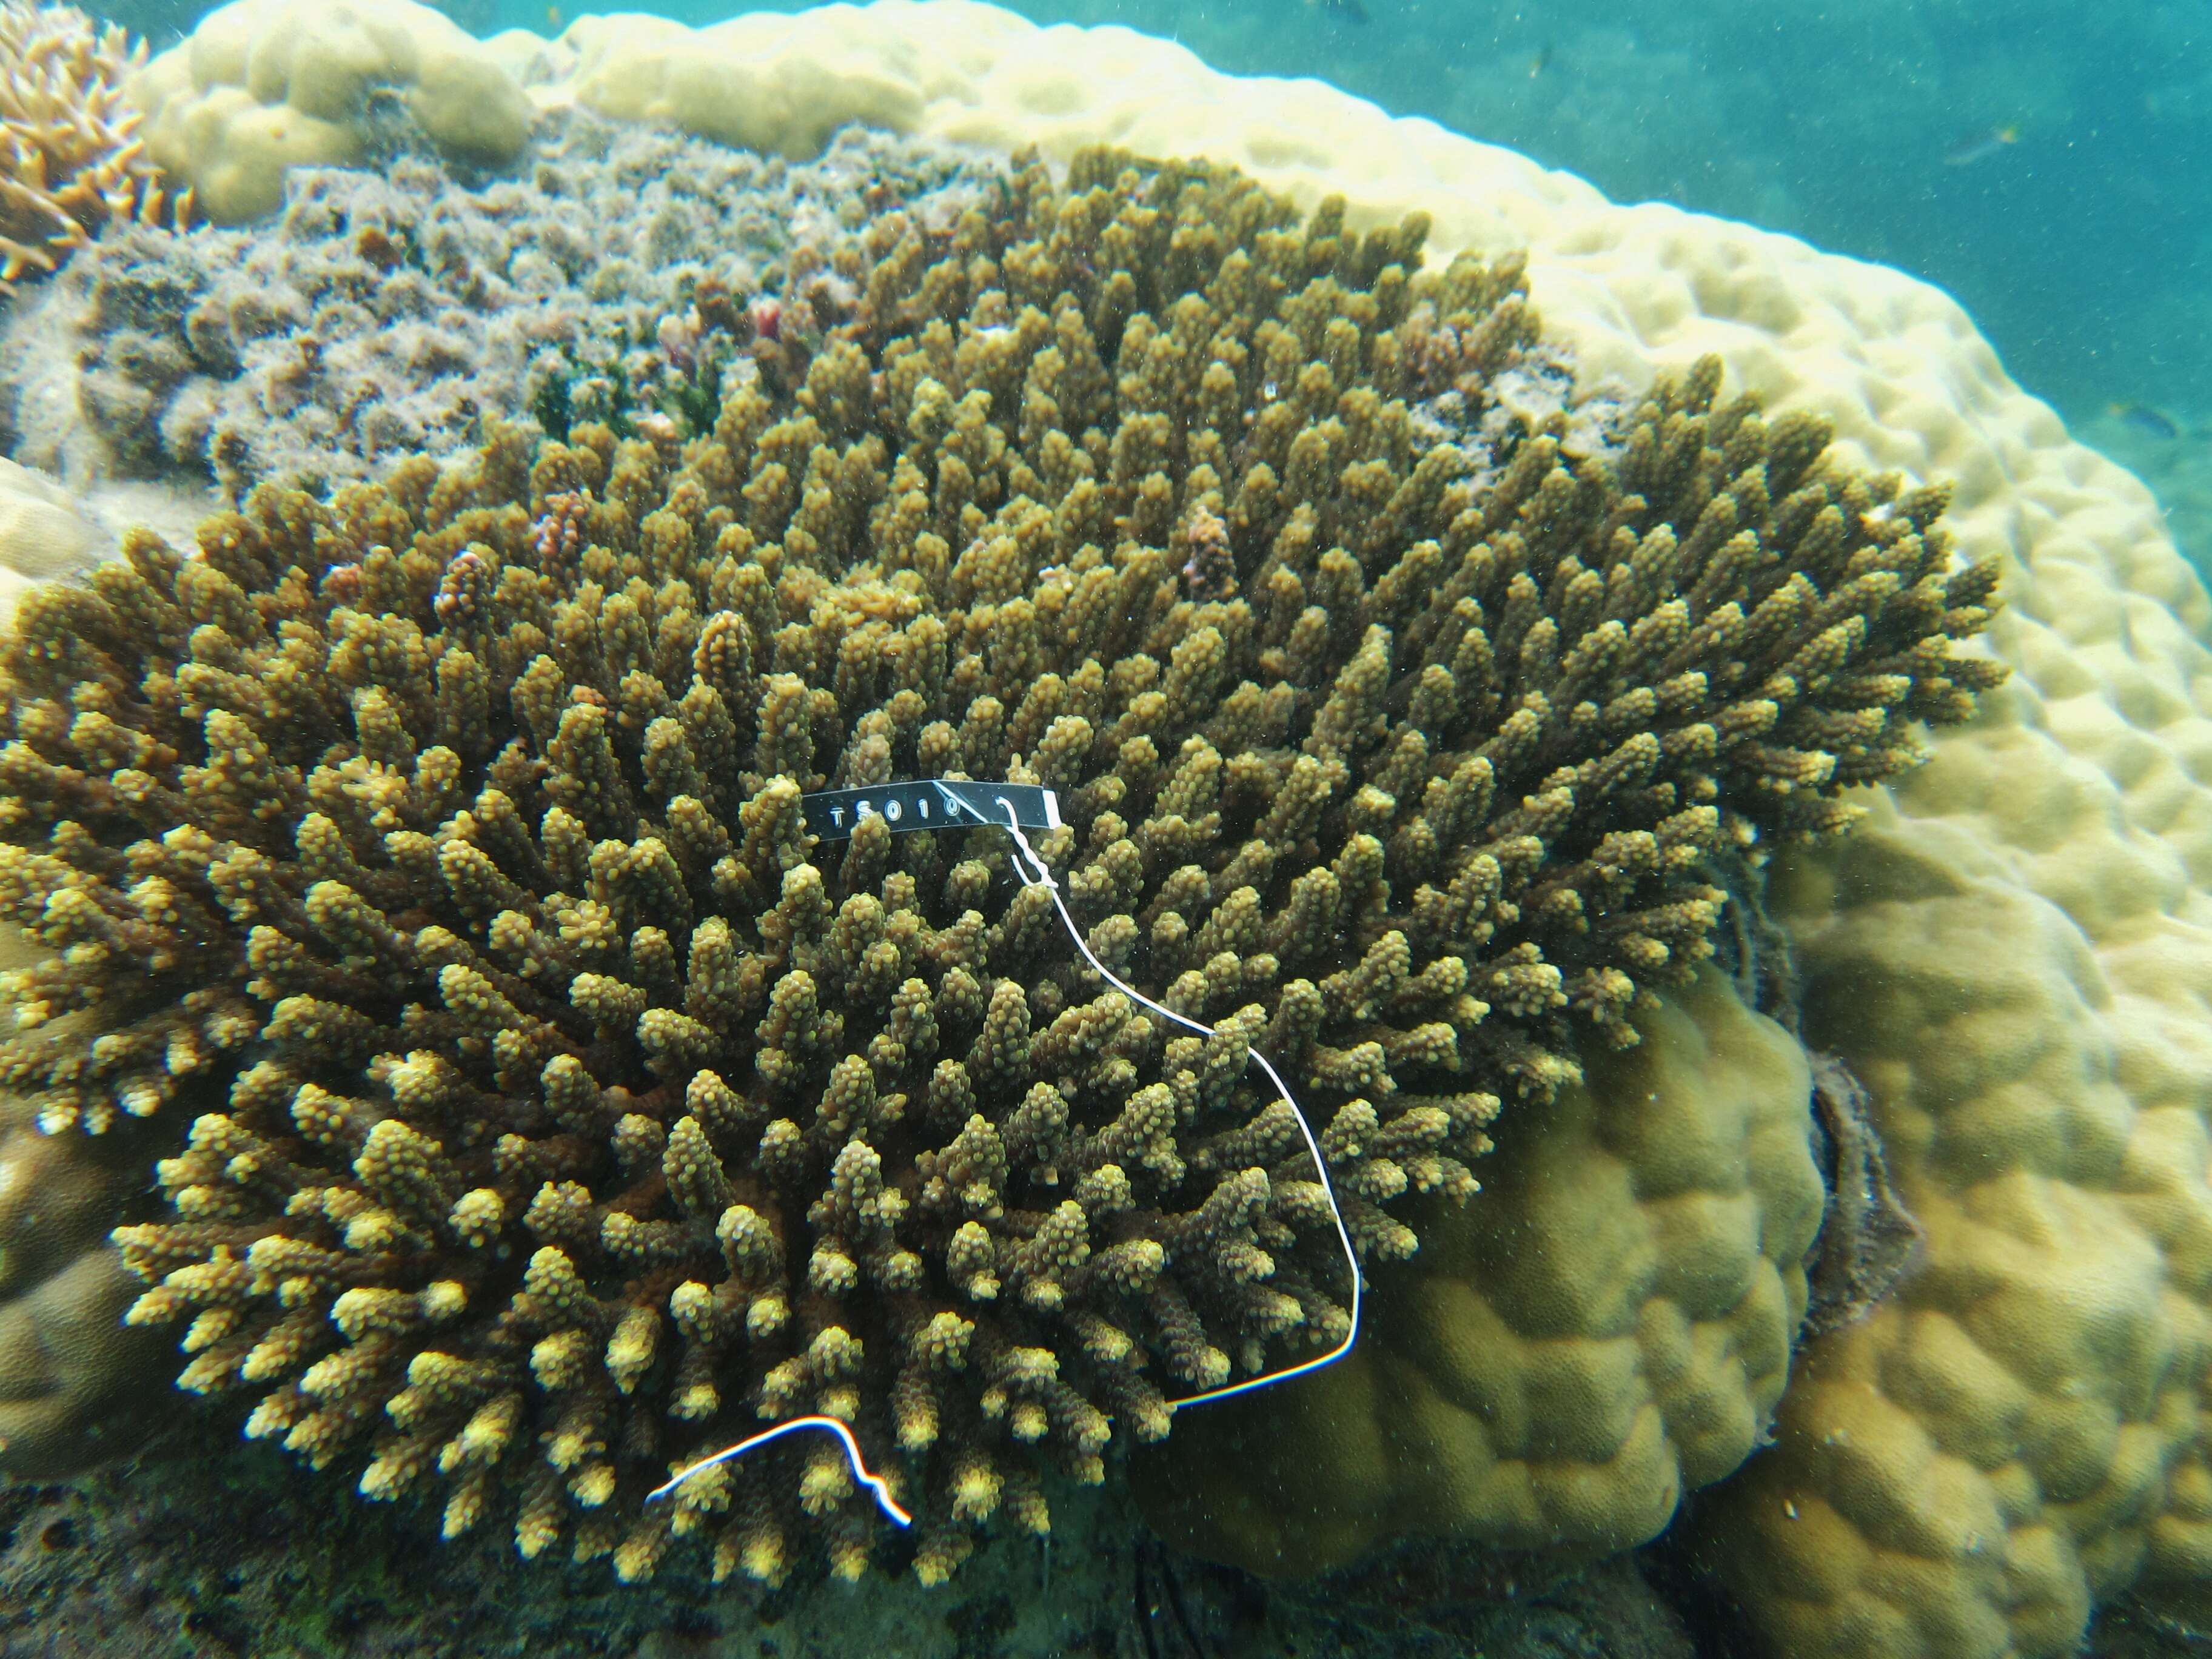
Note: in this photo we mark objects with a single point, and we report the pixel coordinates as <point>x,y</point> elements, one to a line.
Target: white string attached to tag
<point>1044,880</point>
<point>1028,859</point>
<point>876,1484</point>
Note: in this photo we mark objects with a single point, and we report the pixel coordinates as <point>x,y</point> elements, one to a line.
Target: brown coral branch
<point>585,1112</point>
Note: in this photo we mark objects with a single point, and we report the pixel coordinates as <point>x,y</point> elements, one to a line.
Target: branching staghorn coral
<point>72,156</point>
<point>584,1111</point>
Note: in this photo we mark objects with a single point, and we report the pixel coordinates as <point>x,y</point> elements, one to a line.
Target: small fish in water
<point>1541,62</point>
<point>1350,10</point>
<point>1980,147</point>
<point>2143,418</point>
<point>553,19</point>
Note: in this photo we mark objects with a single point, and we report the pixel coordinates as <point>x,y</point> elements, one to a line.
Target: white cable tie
<point>874,1483</point>
<point>1265,1379</point>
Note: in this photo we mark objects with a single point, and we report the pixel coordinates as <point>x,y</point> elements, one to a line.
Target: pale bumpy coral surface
<point>262,86</point>
<point>590,1109</point>
<point>2173,455</point>
<point>43,532</point>
<point>1605,1326</point>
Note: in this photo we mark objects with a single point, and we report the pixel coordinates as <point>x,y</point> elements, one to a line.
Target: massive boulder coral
<point>263,86</point>
<point>44,533</point>
<point>2016,956</point>
<point>582,1107</point>
<point>1605,1325</point>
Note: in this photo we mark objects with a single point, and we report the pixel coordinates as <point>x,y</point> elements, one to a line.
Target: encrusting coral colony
<point>566,1109</point>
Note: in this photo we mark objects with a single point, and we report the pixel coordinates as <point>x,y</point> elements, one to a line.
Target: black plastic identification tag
<point>930,804</point>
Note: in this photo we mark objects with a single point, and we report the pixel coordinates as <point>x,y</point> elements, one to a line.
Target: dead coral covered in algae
<point>584,1111</point>
<point>70,155</point>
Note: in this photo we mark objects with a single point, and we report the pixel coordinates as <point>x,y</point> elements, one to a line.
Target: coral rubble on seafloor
<point>387,314</point>
<point>567,1108</point>
<point>71,159</point>
<point>135,1560</point>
